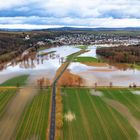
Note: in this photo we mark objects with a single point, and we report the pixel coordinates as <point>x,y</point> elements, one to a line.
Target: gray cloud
<point>70,12</point>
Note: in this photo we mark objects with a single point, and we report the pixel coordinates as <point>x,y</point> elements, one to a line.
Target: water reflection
<point>106,75</point>
<point>46,63</point>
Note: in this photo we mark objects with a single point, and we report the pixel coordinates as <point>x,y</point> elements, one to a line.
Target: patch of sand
<point>126,113</point>
<point>70,116</point>
<point>96,93</point>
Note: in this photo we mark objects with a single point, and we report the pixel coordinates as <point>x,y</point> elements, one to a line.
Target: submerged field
<point>88,117</point>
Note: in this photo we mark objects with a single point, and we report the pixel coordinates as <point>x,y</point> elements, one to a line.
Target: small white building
<point>27,37</point>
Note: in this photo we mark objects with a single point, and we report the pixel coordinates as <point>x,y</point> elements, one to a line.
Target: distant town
<point>91,39</point>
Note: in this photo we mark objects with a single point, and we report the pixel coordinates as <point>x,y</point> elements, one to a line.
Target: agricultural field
<point>16,81</point>
<point>8,90</point>
<point>88,116</point>
<point>126,97</point>
<point>5,96</point>
<point>85,59</point>
<point>83,46</point>
<point>34,121</point>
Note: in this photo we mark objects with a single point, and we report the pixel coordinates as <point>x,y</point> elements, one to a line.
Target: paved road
<point>52,124</point>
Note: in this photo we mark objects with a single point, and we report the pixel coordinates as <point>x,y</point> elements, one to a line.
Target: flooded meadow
<point>46,62</point>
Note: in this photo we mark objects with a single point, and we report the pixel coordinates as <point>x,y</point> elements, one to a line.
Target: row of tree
<point>59,113</point>
<point>43,83</point>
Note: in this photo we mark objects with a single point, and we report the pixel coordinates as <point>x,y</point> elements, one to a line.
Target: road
<point>53,113</point>
<point>53,106</point>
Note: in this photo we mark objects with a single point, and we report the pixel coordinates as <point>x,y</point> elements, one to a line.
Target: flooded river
<point>47,65</point>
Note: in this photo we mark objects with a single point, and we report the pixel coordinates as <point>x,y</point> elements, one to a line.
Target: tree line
<point>121,54</point>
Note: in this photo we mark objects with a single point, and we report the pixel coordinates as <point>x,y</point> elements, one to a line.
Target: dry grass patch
<point>95,64</point>
<point>69,79</point>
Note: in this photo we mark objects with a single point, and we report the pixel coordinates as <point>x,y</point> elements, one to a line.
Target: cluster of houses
<point>92,39</point>
<point>89,39</point>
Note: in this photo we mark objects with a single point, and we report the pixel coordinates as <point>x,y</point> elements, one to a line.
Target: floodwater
<point>42,66</point>
<point>47,65</point>
<point>91,53</point>
<point>105,75</point>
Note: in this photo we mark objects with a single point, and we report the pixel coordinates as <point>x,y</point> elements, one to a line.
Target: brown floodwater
<point>104,75</point>
<point>47,65</point>
<point>38,66</point>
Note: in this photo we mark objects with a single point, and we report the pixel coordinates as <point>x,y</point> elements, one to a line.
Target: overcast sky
<point>37,14</point>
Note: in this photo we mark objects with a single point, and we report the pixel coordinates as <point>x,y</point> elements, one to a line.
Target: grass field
<point>85,59</point>
<point>135,66</point>
<point>19,80</point>
<point>126,97</point>
<point>74,55</point>
<point>94,119</point>
<point>5,96</point>
<point>83,46</point>
<point>34,121</point>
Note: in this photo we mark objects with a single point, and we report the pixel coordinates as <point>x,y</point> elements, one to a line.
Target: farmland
<point>16,81</point>
<point>5,96</point>
<point>92,118</point>
<point>85,59</point>
<point>126,97</point>
<point>8,90</point>
<point>34,121</point>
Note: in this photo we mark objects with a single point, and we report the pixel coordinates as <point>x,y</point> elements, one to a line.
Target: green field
<point>74,55</point>
<point>134,66</point>
<point>85,59</point>
<point>94,119</point>
<point>34,121</point>
<point>83,47</point>
<point>19,80</point>
<point>5,96</point>
<point>126,97</point>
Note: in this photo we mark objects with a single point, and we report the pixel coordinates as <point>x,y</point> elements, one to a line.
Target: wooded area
<point>121,54</point>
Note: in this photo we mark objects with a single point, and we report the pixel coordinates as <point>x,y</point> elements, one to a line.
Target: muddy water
<point>91,52</point>
<point>47,66</point>
<point>41,66</point>
<point>103,75</point>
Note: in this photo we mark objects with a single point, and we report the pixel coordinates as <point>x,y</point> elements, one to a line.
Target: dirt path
<point>13,112</point>
<point>126,113</point>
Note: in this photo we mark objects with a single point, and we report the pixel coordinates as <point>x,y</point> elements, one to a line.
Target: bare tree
<point>95,86</point>
<point>110,84</point>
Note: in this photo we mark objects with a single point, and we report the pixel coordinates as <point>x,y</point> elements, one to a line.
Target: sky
<point>40,14</point>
